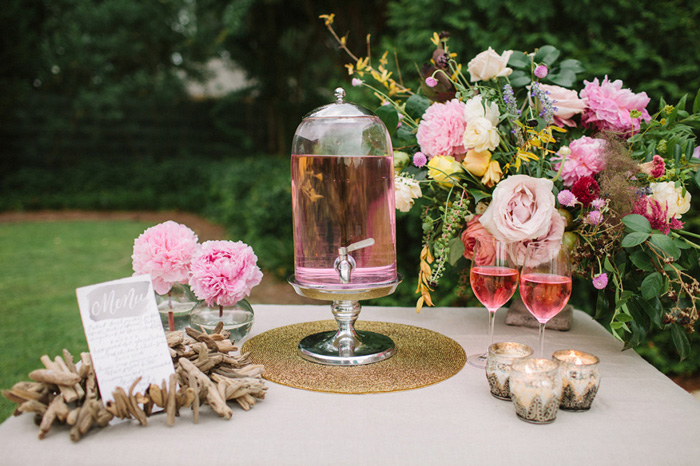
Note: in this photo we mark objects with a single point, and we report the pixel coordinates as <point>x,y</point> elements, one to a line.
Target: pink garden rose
<point>566,102</point>
<point>521,209</point>
<point>552,239</point>
<point>474,232</point>
<point>608,107</point>
<point>586,158</point>
<point>164,252</point>
<point>224,272</point>
<point>441,130</point>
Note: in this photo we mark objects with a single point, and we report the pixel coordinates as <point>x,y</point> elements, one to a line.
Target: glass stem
<point>492,324</point>
<point>541,338</point>
<point>171,316</point>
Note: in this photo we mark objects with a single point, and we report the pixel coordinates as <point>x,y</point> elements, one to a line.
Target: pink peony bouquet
<point>224,272</point>
<point>164,252</point>
<point>515,146</point>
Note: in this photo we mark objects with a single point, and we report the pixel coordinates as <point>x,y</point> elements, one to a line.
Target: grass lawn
<point>41,265</point>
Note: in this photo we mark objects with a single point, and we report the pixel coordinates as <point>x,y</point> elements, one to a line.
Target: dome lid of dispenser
<point>342,129</point>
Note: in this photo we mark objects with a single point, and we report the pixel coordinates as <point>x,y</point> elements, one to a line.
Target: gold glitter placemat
<point>422,357</point>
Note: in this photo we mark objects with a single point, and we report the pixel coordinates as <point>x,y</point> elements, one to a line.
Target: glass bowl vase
<point>237,319</point>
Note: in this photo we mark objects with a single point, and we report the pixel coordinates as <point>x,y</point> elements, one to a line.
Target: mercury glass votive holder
<point>535,389</point>
<point>580,379</point>
<point>500,359</point>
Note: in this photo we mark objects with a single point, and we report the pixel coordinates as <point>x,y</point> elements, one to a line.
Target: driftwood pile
<point>205,373</point>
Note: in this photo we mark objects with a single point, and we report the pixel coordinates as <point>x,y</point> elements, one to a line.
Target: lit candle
<point>500,359</point>
<point>580,379</point>
<point>535,389</point>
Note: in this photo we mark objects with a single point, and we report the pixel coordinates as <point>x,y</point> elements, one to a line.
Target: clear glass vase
<point>237,319</point>
<point>175,307</point>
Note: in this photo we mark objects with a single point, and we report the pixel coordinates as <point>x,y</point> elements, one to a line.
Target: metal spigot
<point>344,264</point>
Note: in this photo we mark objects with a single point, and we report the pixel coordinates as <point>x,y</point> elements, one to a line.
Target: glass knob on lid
<point>343,196</point>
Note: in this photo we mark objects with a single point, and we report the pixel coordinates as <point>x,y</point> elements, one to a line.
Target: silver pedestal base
<point>346,346</point>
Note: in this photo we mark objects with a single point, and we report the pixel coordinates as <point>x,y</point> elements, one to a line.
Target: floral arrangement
<point>221,273</point>
<point>509,147</point>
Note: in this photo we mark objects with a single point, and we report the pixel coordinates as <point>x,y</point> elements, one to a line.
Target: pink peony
<point>441,130</point>
<point>224,272</point>
<point>164,252</point>
<point>521,209</point>
<point>552,239</point>
<point>474,232</point>
<point>608,107</point>
<point>566,104</point>
<point>586,159</point>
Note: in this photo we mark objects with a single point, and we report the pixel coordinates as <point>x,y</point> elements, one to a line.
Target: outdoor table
<point>639,416</point>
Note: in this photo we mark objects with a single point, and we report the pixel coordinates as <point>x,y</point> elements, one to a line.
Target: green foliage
<point>648,44</point>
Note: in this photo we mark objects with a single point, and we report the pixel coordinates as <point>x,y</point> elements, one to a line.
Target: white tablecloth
<point>639,417</point>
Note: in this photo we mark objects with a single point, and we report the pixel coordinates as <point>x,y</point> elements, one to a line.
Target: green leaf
<point>478,194</point>
<point>547,54</point>
<point>456,250</point>
<point>696,178</point>
<point>680,341</point>
<point>637,222</point>
<point>652,285</point>
<point>642,261</point>
<point>519,60</point>
<point>563,78</point>
<point>519,78</point>
<point>634,239</point>
<point>405,135</point>
<point>623,318</point>
<point>389,116</point>
<point>665,244</point>
<point>572,65</point>
<point>696,102</point>
<point>680,106</point>
<point>416,105</point>
<point>607,265</point>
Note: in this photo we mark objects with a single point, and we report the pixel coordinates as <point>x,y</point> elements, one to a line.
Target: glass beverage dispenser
<point>344,225</point>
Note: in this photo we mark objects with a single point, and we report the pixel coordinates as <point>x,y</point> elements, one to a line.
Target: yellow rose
<point>441,166</point>
<point>476,163</point>
<point>493,174</point>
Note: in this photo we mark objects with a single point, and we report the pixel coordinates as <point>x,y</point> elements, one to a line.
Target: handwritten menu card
<point>124,334</point>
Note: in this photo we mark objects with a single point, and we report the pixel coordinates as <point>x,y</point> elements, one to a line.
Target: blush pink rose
<point>474,232</point>
<point>566,102</point>
<point>441,130</point>
<point>609,105</point>
<point>552,239</point>
<point>586,158</point>
<point>521,209</point>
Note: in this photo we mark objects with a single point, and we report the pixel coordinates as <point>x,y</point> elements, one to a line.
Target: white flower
<point>667,193</point>
<point>474,108</point>
<point>481,135</point>
<point>488,65</point>
<point>406,190</point>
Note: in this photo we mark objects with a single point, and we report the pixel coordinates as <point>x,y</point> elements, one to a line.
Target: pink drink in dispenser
<point>343,199</point>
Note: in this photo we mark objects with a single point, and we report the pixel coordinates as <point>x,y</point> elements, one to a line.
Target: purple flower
<point>598,203</point>
<point>600,281</point>
<point>567,198</point>
<point>541,71</point>
<point>419,159</point>
<point>594,217</point>
<point>356,82</point>
<point>431,82</point>
<point>696,152</point>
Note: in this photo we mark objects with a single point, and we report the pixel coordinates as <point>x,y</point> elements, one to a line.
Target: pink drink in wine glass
<point>545,295</point>
<point>493,285</point>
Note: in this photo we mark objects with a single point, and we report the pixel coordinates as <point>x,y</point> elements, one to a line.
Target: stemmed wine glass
<point>494,278</point>
<point>545,282</point>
